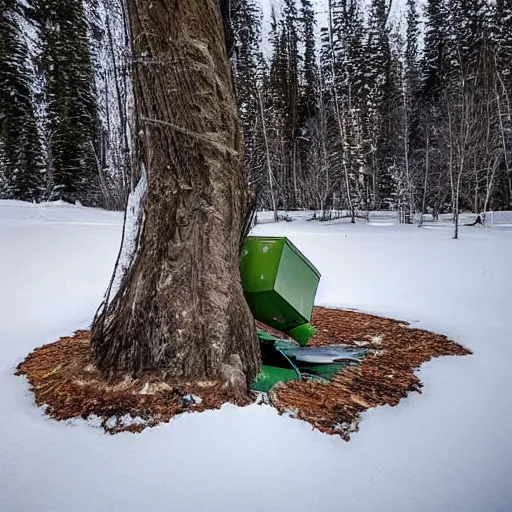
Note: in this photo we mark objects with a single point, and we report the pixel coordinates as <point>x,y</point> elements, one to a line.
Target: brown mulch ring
<point>67,384</point>
<point>384,377</point>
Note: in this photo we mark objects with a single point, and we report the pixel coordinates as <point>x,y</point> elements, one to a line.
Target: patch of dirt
<point>65,381</point>
<point>384,377</point>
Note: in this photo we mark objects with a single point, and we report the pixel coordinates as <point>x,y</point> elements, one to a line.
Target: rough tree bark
<point>179,307</point>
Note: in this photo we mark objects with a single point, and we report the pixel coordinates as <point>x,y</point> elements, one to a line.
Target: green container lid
<point>279,283</point>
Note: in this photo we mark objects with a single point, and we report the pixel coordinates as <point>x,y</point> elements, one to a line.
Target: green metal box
<point>279,283</point>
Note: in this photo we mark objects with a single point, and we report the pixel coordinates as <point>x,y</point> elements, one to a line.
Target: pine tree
<point>434,52</point>
<point>71,112</point>
<point>245,20</point>
<point>411,105</point>
<point>308,100</point>
<point>411,50</point>
<point>21,165</point>
<point>348,38</point>
<point>381,98</point>
<point>433,81</point>
<point>467,29</point>
<point>349,81</point>
<point>502,28</point>
<point>290,85</point>
<point>290,44</point>
<point>309,94</point>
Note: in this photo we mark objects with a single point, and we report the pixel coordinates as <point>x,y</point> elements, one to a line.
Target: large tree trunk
<point>179,306</point>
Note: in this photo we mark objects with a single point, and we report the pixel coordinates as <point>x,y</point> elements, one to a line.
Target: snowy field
<point>447,450</point>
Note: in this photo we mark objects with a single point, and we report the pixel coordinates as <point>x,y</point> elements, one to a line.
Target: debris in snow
<point>376,340</point>
<point>123,422</point>
<point>191,400</point>
<point>260,398</point>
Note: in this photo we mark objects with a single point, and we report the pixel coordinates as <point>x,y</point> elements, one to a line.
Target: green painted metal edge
<point>302,334</point>
<point>269,376</point>
<point>262,335</point>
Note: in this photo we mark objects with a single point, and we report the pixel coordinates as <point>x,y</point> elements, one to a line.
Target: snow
<point>448,449</point>
<point>129,240</point>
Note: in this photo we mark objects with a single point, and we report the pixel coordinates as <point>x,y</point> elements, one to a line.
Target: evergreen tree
<point>245,18</point>
<point>21,165</point>
<point>381,98</point>
<point>246,59</point>
<point>467,29</point>
<point>290,45</point>
<point>349,81</point>
<point>501,33</point>
<point>502,28</point>
<point>348,38</point>
<point>411,50</point>
<point>411,103</point>
<point>433,81</point>
<point>434,57</point>
<point>308,100</point>
<point>309,93</point>
<point>71,114</point>
<point>284,100</point>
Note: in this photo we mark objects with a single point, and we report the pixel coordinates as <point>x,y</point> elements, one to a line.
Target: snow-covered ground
<point>449,449</point>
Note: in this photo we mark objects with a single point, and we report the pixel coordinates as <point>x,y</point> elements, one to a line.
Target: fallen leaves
<point>384,377</point>
<point>65,381</point>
